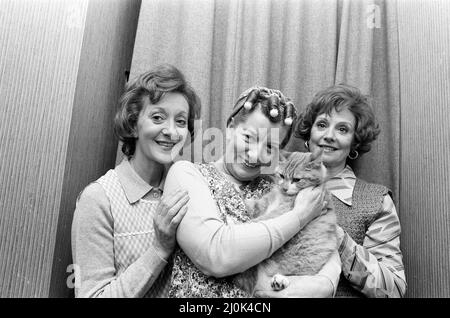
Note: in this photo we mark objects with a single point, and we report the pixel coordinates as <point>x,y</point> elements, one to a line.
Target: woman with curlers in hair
<point>216,238</point>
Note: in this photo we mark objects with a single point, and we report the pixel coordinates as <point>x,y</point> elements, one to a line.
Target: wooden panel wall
<point>106,54</point>
<point>424,47</point>
<point>40,46</point>
<point>62,69</point>
<point>61,72</point>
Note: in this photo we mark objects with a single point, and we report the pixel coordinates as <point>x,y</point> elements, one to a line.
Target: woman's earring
<point>307,145</point>
<point>353,157</point>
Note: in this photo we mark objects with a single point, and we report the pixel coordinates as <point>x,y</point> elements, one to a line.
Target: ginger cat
<point>309,249</point>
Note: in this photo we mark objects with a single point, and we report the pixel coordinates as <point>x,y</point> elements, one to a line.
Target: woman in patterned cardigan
<point>123,231</point>
<point>341,122</point>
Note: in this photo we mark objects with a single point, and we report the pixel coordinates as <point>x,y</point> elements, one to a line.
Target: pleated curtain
<point>297,46</point>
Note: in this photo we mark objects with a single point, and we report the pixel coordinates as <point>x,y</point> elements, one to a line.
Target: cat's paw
<point>279,282</point>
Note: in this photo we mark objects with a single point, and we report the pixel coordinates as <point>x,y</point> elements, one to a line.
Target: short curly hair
<point>153,85</point>
<point>240,114</point>
<point>339,97</point>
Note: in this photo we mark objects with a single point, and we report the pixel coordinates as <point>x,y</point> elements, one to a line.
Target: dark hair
<point>263,102</point>
<point>341,97</point>
<point>153,85</point>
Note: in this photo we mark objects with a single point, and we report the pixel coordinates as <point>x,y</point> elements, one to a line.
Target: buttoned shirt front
<point>376,267</point>
<point>134,186</point>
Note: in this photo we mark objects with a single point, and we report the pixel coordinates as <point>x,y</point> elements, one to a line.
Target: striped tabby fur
<point>308,250</point>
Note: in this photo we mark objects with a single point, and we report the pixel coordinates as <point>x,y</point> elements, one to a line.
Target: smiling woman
<point>123,231</point>
<point>340,123</point>
<point>251,145</point>
<point>161,129</point>
<point>217,237</point>
<point>333,133</point>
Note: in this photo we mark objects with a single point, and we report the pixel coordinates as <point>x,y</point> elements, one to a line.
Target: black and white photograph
<point>237,150</point>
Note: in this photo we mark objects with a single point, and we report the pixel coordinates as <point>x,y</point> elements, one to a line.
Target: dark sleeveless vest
<point>367,201</point>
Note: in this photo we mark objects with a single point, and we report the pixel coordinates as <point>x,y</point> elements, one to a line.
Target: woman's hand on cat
<point>305,286</point>
<point>309,204</point>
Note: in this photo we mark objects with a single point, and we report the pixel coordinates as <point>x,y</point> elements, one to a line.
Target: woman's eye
<point>321,124</point>
<point>343,129</point>
<point>181,122</point>
<point>157,118</point>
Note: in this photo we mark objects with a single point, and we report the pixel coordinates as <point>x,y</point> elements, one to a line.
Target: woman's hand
<point>309,204</point>
<point>305,286</point>
<point>340,235</point>
<point>169,214</point>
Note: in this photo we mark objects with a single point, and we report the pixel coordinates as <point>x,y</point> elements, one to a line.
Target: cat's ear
<point>278,170</point>
<point>317,154</point>
<point>317,165</point>
<point>314,165</point>
<point>285,155</point>
<point>323,172</point>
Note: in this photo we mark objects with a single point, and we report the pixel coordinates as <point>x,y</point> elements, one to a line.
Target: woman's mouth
<point>328,148</point>
<point>250,165</point>
<point>166,145</point>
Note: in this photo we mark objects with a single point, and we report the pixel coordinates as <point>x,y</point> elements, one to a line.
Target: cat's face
<point>299,172</point>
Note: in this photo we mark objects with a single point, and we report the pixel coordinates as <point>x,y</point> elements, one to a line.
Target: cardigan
<point>112,233</point>
<point>370,248</point>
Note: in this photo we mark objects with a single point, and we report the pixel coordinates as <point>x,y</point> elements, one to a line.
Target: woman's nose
<point>257,155</point>
<point>329,135</point>
<point>171,132</point>
<point>252,155</point>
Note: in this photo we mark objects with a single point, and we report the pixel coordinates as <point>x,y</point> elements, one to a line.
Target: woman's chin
<point>242,173</point>
<point>330,159</point>
<point>165,158</point>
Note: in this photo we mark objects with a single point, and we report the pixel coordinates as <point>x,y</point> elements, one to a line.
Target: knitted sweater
<point>133,232</point>
<point>112,234</point>
<point>356,219</point>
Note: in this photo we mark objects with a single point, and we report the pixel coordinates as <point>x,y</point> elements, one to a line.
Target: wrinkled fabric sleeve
<point>219,249</point>
<point>376,268</point>
<point>332,271</point>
